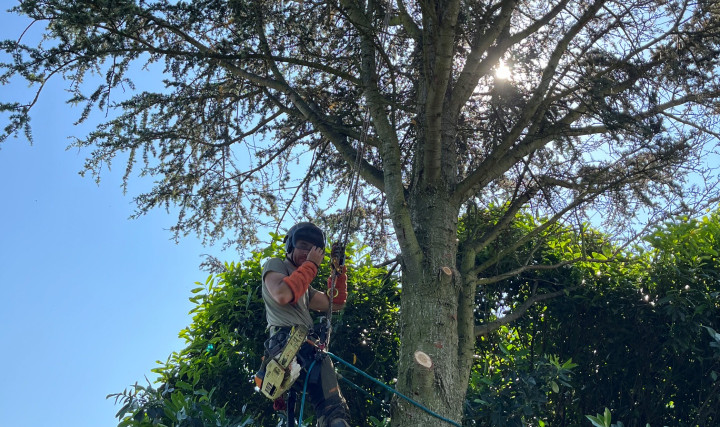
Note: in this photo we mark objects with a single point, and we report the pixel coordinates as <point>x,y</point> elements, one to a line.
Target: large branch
<point>642,70</point>
<point>294,61</point>
<point>525,268</point>
<point>336,133</point>
<point>225,56</point>
<point>593,189</point>
<point>476,245</point>
<point>438,46</point>
<point>389,147</point>
<point>331,130</point>
<point>472,71</point>
<point>279,84</point>
<point>589,191</point>
<point>408,23</point>
<point>368,74</point>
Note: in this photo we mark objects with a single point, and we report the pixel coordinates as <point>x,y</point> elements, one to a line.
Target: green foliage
<point>366,335</point>
<point>516,380</point>
<point>374,422</point>
<point>145,406</point>
<point>213,375</point>
<point>511,388</point>
<point>636,330</point>
<point>633,337</point>
<point>637,333</point>
<point>529,242</point>
<point>604,420</point>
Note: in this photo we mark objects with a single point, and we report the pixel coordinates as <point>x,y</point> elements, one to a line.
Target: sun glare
<point>502,71</point>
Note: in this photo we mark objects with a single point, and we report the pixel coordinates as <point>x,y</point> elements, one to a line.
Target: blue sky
<point>91,299</point>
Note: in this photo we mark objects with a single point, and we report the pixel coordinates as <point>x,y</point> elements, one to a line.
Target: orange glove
<point>340,287</point>
<point>299,280</point>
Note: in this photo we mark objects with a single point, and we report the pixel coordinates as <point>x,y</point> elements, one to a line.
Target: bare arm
<point>289,289</point>
<point>321,302</point>
<point>279,290</point>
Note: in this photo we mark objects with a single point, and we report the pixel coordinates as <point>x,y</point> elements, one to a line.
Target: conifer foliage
<point>565,108</point>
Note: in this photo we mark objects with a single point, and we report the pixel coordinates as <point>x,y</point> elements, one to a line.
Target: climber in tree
<point>288,300</point>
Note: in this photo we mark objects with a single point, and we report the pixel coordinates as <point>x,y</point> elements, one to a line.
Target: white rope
<point>354,185</point>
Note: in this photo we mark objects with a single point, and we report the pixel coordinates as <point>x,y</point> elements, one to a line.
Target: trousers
<point>323,389</point>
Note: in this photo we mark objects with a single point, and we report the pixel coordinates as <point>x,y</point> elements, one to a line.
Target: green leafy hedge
<point>210,381</point>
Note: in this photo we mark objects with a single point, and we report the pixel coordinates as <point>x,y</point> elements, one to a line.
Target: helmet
<point>304,231</point>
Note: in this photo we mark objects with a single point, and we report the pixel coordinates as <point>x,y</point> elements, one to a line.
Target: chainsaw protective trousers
<point>330,407</point>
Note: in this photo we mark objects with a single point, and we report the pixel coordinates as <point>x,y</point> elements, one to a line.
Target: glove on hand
<point>340,295</point>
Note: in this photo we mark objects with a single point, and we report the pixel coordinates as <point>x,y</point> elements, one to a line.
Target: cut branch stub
<point>422,359</point>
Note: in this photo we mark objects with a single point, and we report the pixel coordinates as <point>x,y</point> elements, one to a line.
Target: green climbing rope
<point>380,383</point>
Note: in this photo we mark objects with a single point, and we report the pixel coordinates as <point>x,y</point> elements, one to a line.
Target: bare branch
<point>494,162</point>
<point>518,312</point>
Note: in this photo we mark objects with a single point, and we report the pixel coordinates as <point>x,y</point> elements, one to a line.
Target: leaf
<point>713,334</point>
<point>122,410</point>
<point>183,385</point>
<point>601,420</point>
<point>597,422</point>
<point>504,349</point>
<point>555,386</point>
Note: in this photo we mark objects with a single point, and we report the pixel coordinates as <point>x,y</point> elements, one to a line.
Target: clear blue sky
<point>91,299</point>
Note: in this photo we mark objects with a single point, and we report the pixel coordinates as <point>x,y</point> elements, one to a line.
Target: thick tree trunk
<point>429,369</point>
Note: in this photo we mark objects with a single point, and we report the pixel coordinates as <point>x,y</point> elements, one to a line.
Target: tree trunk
<point>429,371</point>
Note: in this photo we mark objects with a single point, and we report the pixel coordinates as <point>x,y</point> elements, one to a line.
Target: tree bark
<point>429,370</point>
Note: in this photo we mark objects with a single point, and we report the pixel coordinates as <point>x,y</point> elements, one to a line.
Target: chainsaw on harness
<point>280,368</point>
